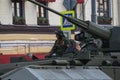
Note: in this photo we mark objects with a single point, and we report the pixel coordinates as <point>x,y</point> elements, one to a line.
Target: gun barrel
<point>98,30</point>
<point>90,27</point>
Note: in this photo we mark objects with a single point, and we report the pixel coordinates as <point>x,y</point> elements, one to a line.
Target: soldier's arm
<point>53,49</point>
<point>67,43</point>
<point>70,46</point>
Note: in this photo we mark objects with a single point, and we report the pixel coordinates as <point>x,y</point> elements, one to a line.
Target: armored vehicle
<point>101,51</point>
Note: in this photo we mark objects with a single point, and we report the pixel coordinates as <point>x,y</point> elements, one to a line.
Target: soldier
<point>60,46</point>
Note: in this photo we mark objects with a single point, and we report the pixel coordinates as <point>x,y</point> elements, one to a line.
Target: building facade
<point>29,13</point>
<point>25,21</point>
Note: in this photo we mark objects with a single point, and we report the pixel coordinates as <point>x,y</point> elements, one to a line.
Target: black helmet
<point>59,33</point>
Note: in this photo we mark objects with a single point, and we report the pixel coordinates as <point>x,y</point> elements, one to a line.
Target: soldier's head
<point>59,34</point>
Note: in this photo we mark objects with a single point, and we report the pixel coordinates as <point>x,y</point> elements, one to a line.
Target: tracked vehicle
<point>100,51</point>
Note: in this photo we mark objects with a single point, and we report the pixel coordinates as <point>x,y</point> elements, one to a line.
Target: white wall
<point>5,12</point>
<point>54,19</point>
<point>115,11</point>
<point>79,11</point>
<point>87,9</point>
<point>119,12</point>
<point>30,13</point>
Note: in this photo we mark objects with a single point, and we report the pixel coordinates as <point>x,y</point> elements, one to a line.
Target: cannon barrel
<point>88,26</point>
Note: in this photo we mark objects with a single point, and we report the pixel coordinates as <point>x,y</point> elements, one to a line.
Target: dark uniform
<point>63,47</point>
<point>73,50</point>
<point>60,46</point>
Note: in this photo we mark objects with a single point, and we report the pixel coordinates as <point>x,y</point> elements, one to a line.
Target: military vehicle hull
<point>102,57</point>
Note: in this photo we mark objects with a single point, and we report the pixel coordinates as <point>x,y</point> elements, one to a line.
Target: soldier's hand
<point>48,56</point>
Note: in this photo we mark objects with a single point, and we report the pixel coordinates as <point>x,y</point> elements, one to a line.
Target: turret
<point>112,36</point>
<point>88,26</point>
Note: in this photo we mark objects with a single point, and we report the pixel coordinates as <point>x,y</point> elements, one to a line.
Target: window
<point>102,8</point>
<point>18,8</point>
<point>103,12</point>
<point>18,12</point>
<point>42,14</point>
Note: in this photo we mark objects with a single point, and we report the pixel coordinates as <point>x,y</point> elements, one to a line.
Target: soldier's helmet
<point>59,33</point>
